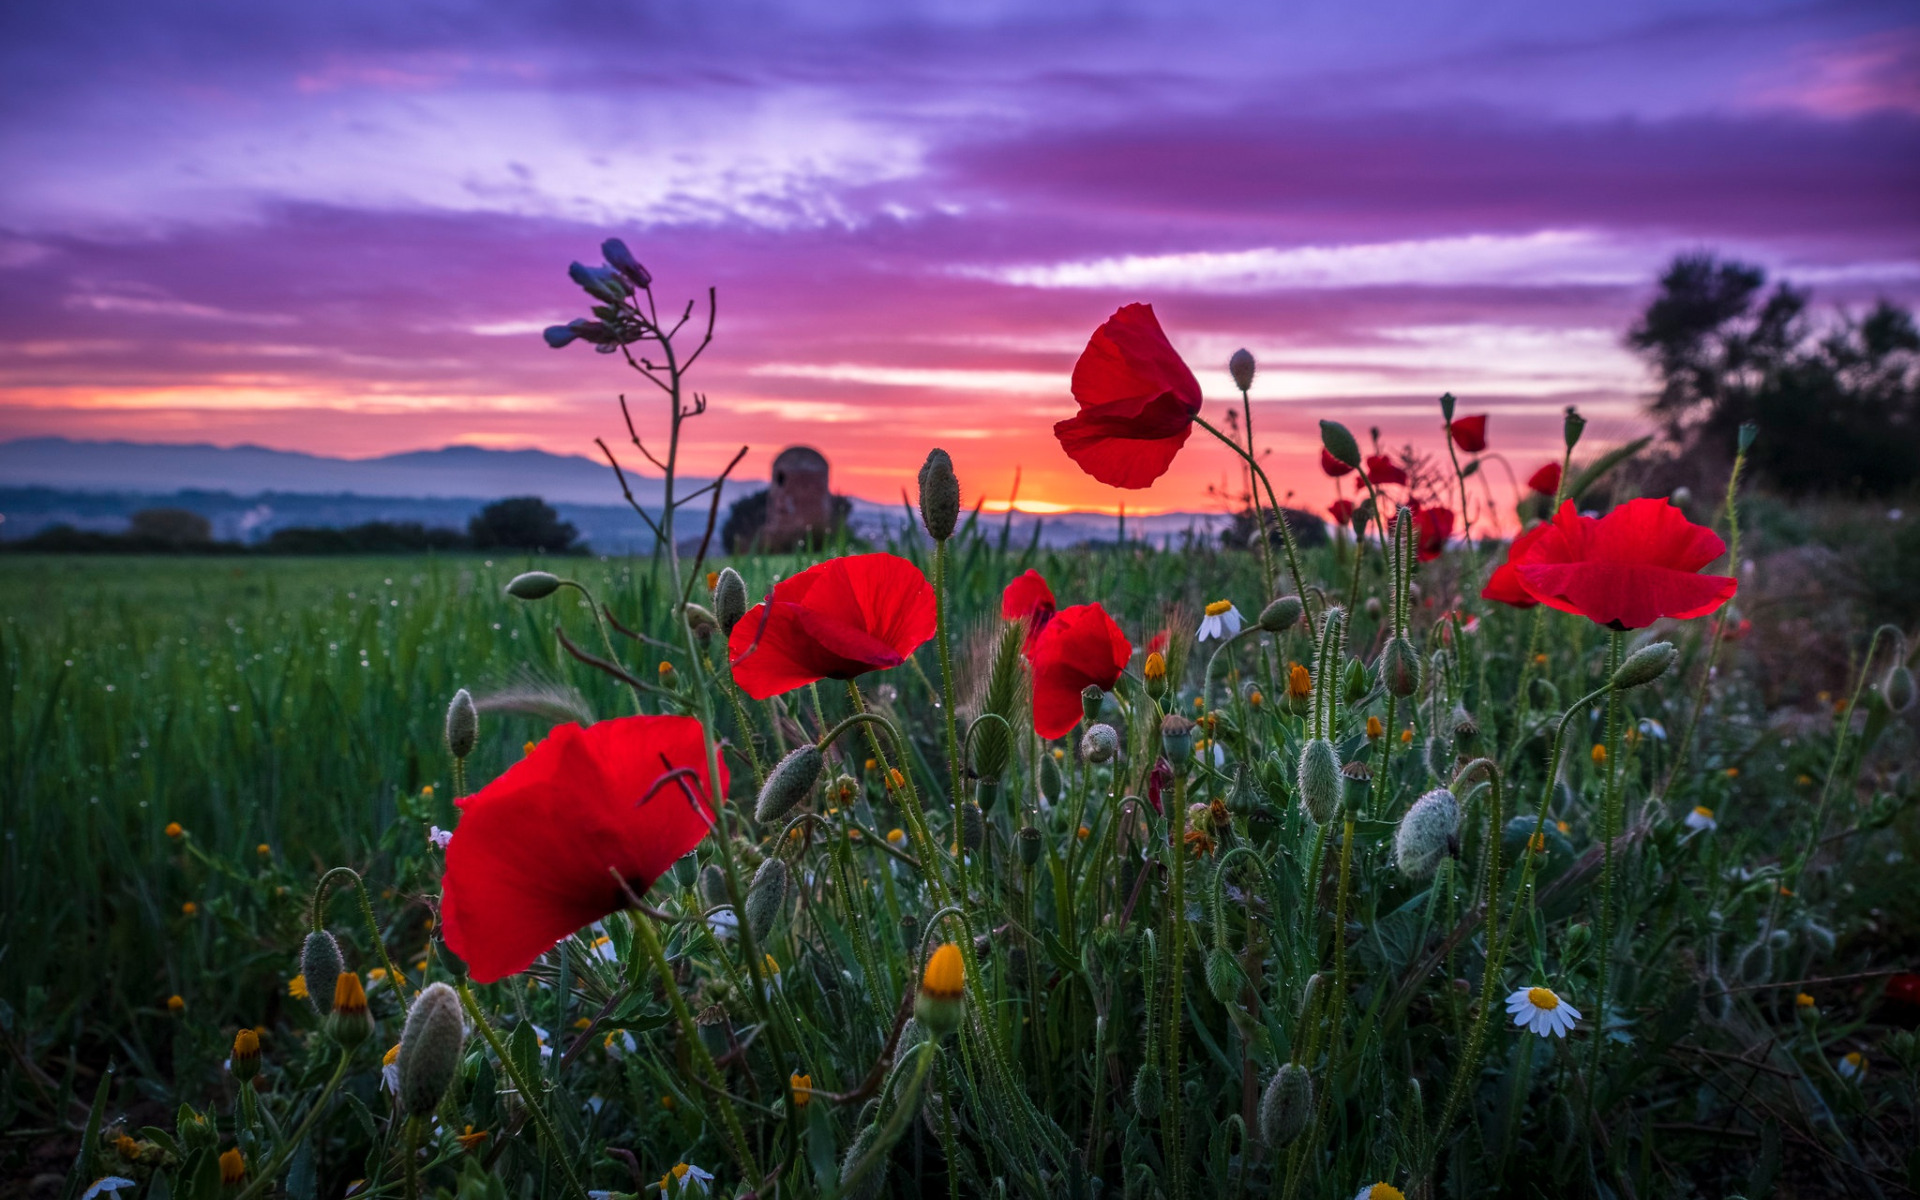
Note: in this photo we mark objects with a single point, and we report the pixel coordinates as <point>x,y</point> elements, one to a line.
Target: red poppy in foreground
<point>1432,527</point>
<point>837,620</point>
<point>533,858</point>
<point>1545,481</point>
<point>1470,433</point>
<point>1137,402</point>
<point>1627,569</point>
<point>1504,584</point>
<point>1341,512</point>
<point>1383,470</point>
<point>1331,465</point>
<point>1028,597</point>
<point>1081,646</point>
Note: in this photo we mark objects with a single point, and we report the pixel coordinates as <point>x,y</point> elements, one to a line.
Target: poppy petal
<point>1628,569</point>
<point>1470,433</point>
<point>1126,446</point>
<point>1081,646</point>
<point>836,620</point>
<point>1025,596</point>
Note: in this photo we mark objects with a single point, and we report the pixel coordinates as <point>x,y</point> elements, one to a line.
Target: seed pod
<point>1092,700</point>
<point>1223,975</point>
<point>1285,1106</point>
<point>1099,744</point>
<point>463,724</point>
<point>713,886</point>
<point>1400,667</point>
<point>320,965</point>
<point>1050,783</point>
<point>1028,843</point>
<point>1359,785</point>
<point>1148,1092</point>
<point>430,1046</point>
<point>766,897</point>
<point>1176,738</point>
<point>1354,681</point>
<point>939,495</point>
<point>788,783</point>
<point>533,585</point>
<point>1466,730</point>
<point>1573,427</point>
<point>729,598</point>
<point>986,793</point>
<point>1897,688</point>
<point>870,1185</point>
<point>1320,781</point>
<point>1240,366</point>
<point>1281,615</point>
<point>1426,833</point>
<point>1644,665</point>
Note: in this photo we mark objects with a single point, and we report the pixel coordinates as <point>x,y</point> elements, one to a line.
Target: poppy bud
<point>874,1181</point>
<point>973,826</point>
<point>942,991</point>
<point>320,966</point>
<point>713,886</point>
<point>1176,737</point>
<point>430,1045</point>
<point>1099,743</point>
<point>1240,366</point>
<point>1400,667</point>
<point>1574,425</point>
<point>1320,782</point>
<point>1310,995</point>
<point>1223,975</point>
<point>1426,833</point>
<point>766,897</point>
<point>1374,607</point>
<point>1446,403</point>
<point>1465,728</point>
<point>1354,681</point>
<point>245,1063</point>
<point>349,1023</point>
<point>1644,665</point>
<point>1092,700</point>
<point>1339,443</point>
<point>1050,781</point>
<point>463,724</point>
<point>533,585</point>
<point>939,495</point>
<point>1281,615</point>
<point>1148,1091</point>
<point>1028,843</point>
<point>1897,688</point>
<point>1748,432</point>
<point>1359,778</point>
<point>729,598</point>
<point>1755,964</point>
<point>788,783</point>
<point>1285,1106</point>
<point>622,260</point>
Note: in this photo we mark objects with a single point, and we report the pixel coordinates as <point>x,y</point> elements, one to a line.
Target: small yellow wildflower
<point>1406,735</point>
<point>189,909</point>
<point>1599,755</point>
<point>263,850</point>
<point>175,831</point>
<point>297,987</point>
<point>1802,1000</point>
<point>471,1139</point>
<point>1375,727</point>
<point>176,1004</point>
<point>802,1089</point>
<point>526,749</point>
<point>1155,667</point>
<point>1299,682</point>
<point>1256,699</point>
<point>233,1168</point>
<point>896,837</point>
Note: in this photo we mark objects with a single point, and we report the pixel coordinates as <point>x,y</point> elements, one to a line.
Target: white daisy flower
<point>619,1044</point>
<point>1379,1191</point>
<point>686,1180</point>
<point>1542,1011</point>
<point>1701,818</point>
<point>439,837</point>
<point>724,923</point>
<point>390,1071</point>
<point>1852,1067</point>
<point>1653,729</point>
<point>603,947</point>
<point>1222,620</point>
<point>107,1185</point>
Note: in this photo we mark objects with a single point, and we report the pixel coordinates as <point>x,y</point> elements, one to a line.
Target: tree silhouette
<point>521,523</point>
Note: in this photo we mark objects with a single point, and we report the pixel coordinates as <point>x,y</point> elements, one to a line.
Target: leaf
<point>84,1162</point>
<point>823,1152</point>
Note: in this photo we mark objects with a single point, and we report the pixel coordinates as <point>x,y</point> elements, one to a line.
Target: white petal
<point>1519,997</point>
<point>1573,1014</point>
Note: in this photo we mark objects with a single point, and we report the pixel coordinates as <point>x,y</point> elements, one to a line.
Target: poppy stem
<point>366,914</point>
<point>1286,531</point>
<point>1253,497</point>
<point>942,618</point>
<point>909,797</point>
<point>1176,954</point>
<point>265,1177</point>
<point>1609,821</point>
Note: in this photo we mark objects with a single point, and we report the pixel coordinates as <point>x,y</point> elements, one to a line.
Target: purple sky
<point>339,227</point>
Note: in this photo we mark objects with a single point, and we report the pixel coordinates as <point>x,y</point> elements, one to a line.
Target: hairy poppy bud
<point>1573,427</point>
<point>1282,614</point>
<point>1897,688</point>
<point>1099,743</point>
<point>430,1045</point>
<point>1285,1106</point>
<point>729,598</point>
<point>766,897</point>
<point>622,260</point>
<point>1320,782</point>
<point>1748,432</point>
<point>713,886</point>
<point>1050,782</point>
<point>1354,681</point>
<point>1339,443</point>
<point>1092,700</point>
<point>245,1062</point>
<point>533,585</point>
<point>349,1023</point>
<point>463,724</point>
<point>320,966</point>
<point>1644,665</point>
<point>942,991</point>
<point>1176,737</point>
<point>1240,366</point>
<point>870,1185</point>
<point>1439,757</point>
<point>939,495</point>
<point>1426,833</point>
<point>1400,667</point>
<point>788,783</point>
<point>973,826</point>
<point>1148,1091</point>
<point>1223,975</point>
<point>1310,995</point>
<point>703,623</point>
<point>1028,843</point>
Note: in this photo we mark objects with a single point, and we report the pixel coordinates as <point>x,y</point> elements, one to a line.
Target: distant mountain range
<point>250,491</point>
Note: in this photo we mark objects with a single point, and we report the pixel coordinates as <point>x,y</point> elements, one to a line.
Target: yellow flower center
<point>896,837</point>
<point>387,1059</point>
<point>1156,666</point>
<point>1701,810</point>
<point>1218,607</point>
<point>1543,998</point>
<point>1385,1191</point>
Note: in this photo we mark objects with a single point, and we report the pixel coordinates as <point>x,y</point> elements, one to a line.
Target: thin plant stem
<point>943,613</point>
<point>1609,821</point>
<point>265,1178</point>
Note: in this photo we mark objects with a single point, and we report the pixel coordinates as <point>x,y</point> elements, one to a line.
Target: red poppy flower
<point>1137,402</point>
<point>1157,644</point>
<point>1159,780</point>
<point>1504,584</point>
<point>1627,569</point>
<point>1383,470</point>
<point>532,859</point>
<point>1470,433</point>
<point>1546,480</point>
<point>1432,526</point>
<point>1341,512</point>
<point>1081,646</point>
<point>1028,596</point>
<point>1331,465</point>
<point>837,620</point>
